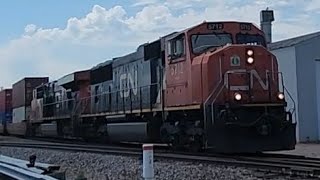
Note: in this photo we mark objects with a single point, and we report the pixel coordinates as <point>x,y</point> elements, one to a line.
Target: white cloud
<point>150,18</point>
<point>30,29</point>
<point>313,5</point>
<point>144,2</point>
<point>181,4</point>
<point>106,33</point>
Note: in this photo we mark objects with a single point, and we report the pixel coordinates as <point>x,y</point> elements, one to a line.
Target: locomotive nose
<point>249,74</point>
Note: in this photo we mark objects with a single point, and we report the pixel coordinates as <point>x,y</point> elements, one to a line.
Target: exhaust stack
<point>266,19</point>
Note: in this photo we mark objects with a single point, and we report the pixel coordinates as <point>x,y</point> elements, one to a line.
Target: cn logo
<point>254,77</point>
<point>235,61</point>
<point>131,79</point>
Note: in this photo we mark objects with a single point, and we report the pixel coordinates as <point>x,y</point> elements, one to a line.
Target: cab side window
<point>176,48</point>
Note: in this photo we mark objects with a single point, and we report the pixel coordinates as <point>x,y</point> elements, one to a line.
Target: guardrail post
<point>148,171</point>
<point>32,161</point>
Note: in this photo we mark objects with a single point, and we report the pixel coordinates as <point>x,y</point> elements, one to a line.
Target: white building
<point>299,61</point>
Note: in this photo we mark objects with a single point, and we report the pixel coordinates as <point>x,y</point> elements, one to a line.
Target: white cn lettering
<point>132,83</point>
<point>253,73</point>
<point>265,86</point>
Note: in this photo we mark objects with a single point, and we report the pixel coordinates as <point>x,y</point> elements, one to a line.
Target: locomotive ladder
<point>213,96</point>
<point>210,101</point>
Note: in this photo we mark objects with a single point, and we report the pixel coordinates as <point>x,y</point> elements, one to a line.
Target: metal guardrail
<point>24,170</point>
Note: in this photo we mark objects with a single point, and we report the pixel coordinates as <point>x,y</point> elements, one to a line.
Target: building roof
<point>292,41</point>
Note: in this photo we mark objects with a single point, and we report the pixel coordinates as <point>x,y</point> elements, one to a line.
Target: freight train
<point>212,86</point>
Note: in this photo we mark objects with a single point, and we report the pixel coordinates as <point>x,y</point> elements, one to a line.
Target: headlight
<point>280,96</point>
<point>237,96</point>
<point>250,52</point>
<point>250,60</point>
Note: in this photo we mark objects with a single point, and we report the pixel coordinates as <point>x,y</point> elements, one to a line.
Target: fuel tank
<point>49,129</point>
<point>130,131</point>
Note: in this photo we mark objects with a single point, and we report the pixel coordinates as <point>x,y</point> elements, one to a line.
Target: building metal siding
<point>317,67</point>
<point>306,53</point>
<point>302,80</point>
<point>287,66</point>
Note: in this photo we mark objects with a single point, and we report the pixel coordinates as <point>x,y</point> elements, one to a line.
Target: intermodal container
<point>21,114</point>
<point>6,100</point>
<point>5,117</point>
<point>2,117</point>
<point>23,89</point>
<point>6,106</point>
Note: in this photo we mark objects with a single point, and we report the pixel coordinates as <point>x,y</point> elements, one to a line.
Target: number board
<point>245,27</point>
<point>215,26</point>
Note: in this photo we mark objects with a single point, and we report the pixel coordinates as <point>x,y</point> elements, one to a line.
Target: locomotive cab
<point>226,68</point>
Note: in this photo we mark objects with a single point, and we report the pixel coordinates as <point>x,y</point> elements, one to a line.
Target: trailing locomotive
<point>211,86</point>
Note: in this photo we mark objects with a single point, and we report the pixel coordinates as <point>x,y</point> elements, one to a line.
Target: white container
<point>20,114</point>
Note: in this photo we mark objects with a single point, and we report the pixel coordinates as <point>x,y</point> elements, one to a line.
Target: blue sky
<point>48,14</point>
<point>54,38</point>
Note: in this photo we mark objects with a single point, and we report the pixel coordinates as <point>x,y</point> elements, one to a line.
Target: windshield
<point>250,39</point>
<point>202,42</point>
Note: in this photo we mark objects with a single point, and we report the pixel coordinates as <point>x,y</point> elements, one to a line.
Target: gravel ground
<point>100,167</point>
<point>310,150</point>
<point>13,139</point>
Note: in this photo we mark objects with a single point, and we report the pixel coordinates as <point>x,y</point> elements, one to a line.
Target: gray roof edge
<point>292,41</point>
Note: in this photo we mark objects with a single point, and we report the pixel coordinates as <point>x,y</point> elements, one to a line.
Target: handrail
<point>294,104</point>
<point>211,94</point>
<point>205,103</point>
<point>104,93</point>
<point>214,90</point>
<point>212,119</point>
<point>215,86</point>
<point>79,105</point>
<point>284,89</point>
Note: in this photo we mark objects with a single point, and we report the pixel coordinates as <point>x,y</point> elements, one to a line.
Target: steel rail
<point>284,164</point>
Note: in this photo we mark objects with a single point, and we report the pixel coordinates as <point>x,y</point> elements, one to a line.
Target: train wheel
<point>196,144</point>
<point>103,138</point>
<point>176,143</point>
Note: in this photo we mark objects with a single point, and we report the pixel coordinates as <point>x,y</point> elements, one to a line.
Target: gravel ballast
<point>100,167</point>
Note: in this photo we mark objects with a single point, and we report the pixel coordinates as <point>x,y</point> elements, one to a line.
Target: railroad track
<point>272,163</point>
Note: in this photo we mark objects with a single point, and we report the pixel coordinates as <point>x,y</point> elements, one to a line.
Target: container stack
<point>6,106</point>
<point>22,95</point>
